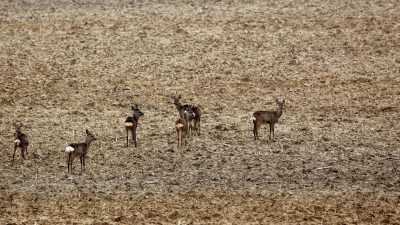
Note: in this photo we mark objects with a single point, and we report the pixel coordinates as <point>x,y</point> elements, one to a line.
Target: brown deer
<point>21,141</point>
<point>181,126</point>
<point>194,122</point>
<point>267,117</point>
<point>131,124</point>
<point>79,150</point>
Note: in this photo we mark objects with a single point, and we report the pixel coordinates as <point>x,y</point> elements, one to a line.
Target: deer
<point>21,141</point>
<point>194,122</point>
<point>131,124</point>
<point>79,150</point>
<point>181,126</point>
<point>267,117</point>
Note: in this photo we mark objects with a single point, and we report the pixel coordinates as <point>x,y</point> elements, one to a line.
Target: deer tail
<point>129,124</point>
<point>69,149</point>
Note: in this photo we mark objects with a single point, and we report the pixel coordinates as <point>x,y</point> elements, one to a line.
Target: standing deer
<point>267,117</point>
<point>181,126</point>
<point>194,122</point>
<point>79,149</point>
<point>131,124</point>
<point>21,141</point>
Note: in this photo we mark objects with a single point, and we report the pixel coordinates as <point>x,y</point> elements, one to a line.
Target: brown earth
<point>70,65</point>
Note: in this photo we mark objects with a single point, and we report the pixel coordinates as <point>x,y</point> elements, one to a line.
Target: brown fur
<point>267,117</point>
<point>133,121</point>
<point>81,150</point>
<point>21,142</point>
<point>181,126</point>
<point>193,122</point>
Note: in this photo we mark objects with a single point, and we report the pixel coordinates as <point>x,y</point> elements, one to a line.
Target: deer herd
<point>186,125</point>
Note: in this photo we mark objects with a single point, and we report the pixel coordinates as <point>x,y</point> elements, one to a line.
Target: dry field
<point>70,65</point>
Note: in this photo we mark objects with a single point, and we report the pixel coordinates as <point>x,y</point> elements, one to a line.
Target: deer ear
<point>283,100</point>
<point>87,132</point>
<point>179,96</point>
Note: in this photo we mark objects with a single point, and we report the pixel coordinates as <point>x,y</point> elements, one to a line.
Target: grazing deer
<point>131,124</point>
<point>21,141</point>
<point>79,149</point>
<point>181,126</point>
<point>267,117</point>
<point>194,122</point>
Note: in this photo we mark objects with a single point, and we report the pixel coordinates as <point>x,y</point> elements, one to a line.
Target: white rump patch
<point>69,149</point>
<point>17,141</point>
<point>179,125</point>
<point>253,118</point>
<point>129,124</point>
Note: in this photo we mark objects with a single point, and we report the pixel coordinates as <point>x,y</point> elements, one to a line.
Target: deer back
<point>266,116</point>
<point>23,138</point>
<point>79,148</point>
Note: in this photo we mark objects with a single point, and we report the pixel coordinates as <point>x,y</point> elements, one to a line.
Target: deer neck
<point>178,105</point>
<point>87,142</point>
<point>136,117</point>
<point>279,113</point>
<point>18,133</point>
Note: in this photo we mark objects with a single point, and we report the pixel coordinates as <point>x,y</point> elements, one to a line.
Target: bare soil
<point>67,66</point>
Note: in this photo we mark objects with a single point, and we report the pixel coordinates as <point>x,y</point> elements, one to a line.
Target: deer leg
<point>22,152</point>
<point>71,163</point>
<point>181,137</point>
<point>189,126</point>
<point>127,137</point>
<point>177,136</point>
<point>255,130</point>
<point>198,127</point>
<point>69,158</point>
<point>15,149</point>
<point>134,137</point>
<point>190,131</point>
<point>81,159</point>
<point>194,128</point>
<point>84,162</point>
<point>184,138</point>
<point>271,128</point>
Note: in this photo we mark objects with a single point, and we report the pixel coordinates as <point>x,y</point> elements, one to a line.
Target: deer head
<point>136,111</point>
<point>280,103</point>
<point>90,137</point>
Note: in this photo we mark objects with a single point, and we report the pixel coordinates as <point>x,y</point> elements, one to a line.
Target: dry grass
<point>69,66</point>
